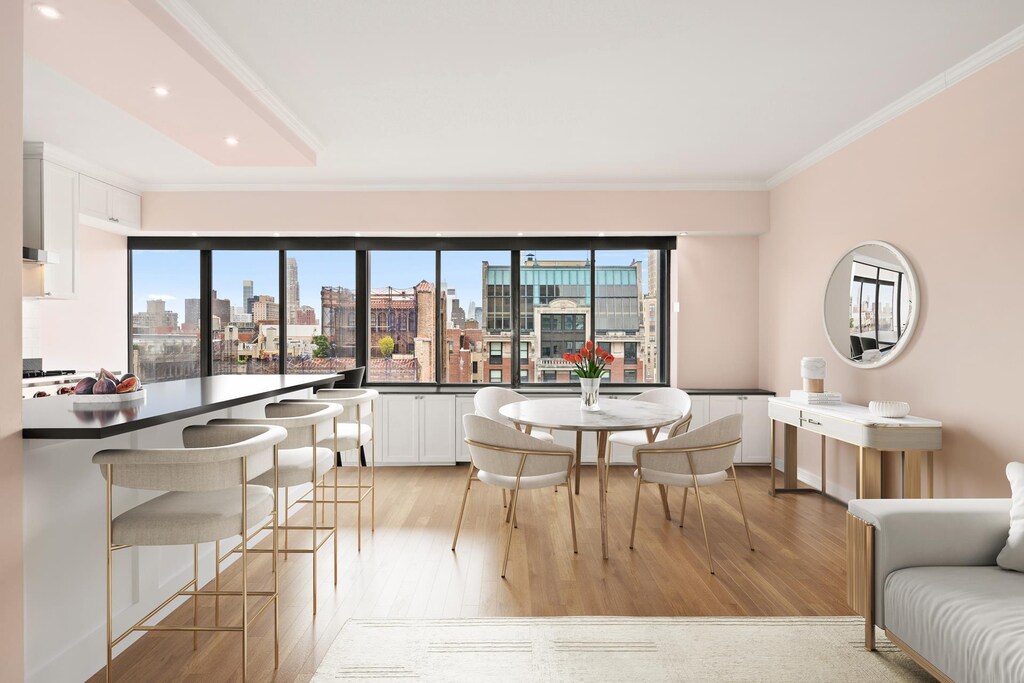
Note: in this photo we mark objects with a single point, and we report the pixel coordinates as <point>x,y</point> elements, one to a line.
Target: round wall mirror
<point>871,305</point>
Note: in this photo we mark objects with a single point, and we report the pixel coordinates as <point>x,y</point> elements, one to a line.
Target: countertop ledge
<point>561,390</point>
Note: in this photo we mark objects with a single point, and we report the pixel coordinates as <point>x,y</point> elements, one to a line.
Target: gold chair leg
<point>462,509</point>
<point>739,497</point>
<point>572,517</point>
<point>195,598</point>
<point>663,491</point>
<point>636,507</point>
<point>508,543</point>
<point>682,514</point>
<point>703,526</point>
<point>504,501</point>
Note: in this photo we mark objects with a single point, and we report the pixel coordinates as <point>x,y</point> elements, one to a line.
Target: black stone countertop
<point>58,417</point>
<point>557,390</point>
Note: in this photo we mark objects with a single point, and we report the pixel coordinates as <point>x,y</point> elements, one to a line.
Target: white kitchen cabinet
<point>699,410</point>
<point>754,409</point>
<point>463,406</point>
<point>104,202</point>
<point>50,224</point>
<point>419,429</point>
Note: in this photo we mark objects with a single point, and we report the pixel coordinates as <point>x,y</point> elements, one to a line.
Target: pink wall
<point>942,182</point>
<point>716,334</point>
<point>458,212</point>
<point>91,330</point>
<point>11,605</point>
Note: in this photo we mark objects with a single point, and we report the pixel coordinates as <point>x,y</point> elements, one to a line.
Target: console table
<point>915,437</point>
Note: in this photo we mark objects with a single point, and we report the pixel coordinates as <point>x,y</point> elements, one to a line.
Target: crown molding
<point>979,60</point>
<point>62,157</point>
<point>194,23</point>
<point>738,186</point>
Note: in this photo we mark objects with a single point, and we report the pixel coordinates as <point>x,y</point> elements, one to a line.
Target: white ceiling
<point>533,93</point>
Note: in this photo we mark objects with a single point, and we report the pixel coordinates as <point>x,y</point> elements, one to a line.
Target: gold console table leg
<point>912,474</point>
<point>869,473</point>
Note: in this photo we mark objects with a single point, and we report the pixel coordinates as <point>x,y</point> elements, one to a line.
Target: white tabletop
<point>616,415</point>
<point>859,414</point>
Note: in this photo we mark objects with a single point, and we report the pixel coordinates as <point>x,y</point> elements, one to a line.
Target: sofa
<point>925,571</point>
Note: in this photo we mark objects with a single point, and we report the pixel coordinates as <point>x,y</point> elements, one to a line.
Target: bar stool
<point>300,461</point>
<point>351,433</point>
<point>207,499</point>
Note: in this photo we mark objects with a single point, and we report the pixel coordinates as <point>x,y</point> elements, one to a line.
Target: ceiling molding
<point>738,186</point>
<point>62,157</point>
<point>204,34</point>
<point>979,60</point>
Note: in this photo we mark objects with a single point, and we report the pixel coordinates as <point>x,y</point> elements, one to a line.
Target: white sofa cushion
<point>967,621</point>
<point>1012,555</point>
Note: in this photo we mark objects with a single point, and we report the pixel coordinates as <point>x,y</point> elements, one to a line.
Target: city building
<point>292,289</point>
<point>247,295</point>
<point>156,319</point>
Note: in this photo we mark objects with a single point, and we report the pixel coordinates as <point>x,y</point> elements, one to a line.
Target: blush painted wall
<point>717,329</point>
<point>470,213</point>
<point>11,572</point>
<point>944,182</point>
<point>91,330</point>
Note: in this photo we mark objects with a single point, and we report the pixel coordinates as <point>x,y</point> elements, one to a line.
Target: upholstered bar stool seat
<point>295,466</point>
<point>188,517</point>
<point>350,436</point>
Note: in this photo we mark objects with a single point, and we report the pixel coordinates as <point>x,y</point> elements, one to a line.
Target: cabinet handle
<point>47,293</point>
<point>812,422</point>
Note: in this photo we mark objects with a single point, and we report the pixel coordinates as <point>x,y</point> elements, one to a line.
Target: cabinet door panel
<point>756,446</point>
<point>437,429</point>
<point>700,406</point>
<point>126,208</point>
<point>463,406</point>
<point>722,406</point>
<point>60,227</point>
<point>401,429</point>
<point>94,198</point>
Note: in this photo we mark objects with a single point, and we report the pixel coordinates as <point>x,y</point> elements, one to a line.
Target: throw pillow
<point>1012,556</point>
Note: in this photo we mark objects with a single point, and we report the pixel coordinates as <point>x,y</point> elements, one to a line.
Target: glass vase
<point>590,388</point>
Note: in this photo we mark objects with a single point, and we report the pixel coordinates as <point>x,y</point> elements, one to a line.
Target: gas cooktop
<point>32,374</point>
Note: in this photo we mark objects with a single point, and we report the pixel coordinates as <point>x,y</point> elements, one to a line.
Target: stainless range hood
<point>30,255</point>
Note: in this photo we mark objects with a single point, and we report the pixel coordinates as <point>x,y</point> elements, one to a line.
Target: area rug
<point>614,649</point>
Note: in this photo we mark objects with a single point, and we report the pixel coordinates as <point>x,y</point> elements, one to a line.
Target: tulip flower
<point>589,345</point>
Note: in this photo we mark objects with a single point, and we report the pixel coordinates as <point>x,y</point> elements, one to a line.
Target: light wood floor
<point>407,569</point>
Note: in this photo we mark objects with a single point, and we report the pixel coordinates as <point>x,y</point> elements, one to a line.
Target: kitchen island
<point>65,505</point>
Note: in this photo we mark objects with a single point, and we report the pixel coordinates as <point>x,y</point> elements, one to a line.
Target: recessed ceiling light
<point>437,234</point>
<point>359,234</point>
<point>47,11</point>
<point>600,234</point>
<point>683,234</point>
<point>195,234</point>
<point>231,140</point>
<point>519,234</point>
<point>277,234</point>
<point>161,91</point>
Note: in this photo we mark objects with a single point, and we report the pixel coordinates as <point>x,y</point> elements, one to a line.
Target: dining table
<point>614,415</point>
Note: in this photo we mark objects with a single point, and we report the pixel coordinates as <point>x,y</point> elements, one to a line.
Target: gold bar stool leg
<point>195,598</point>
<point>286,508</point>
<point>314,525</point>
<point>373,478</point>
<point>245,572</point>
<point>359,478</point>
<point>273,562</point>
<point>216,579</point>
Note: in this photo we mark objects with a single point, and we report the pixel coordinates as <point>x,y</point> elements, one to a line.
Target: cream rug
<point>583,649</point>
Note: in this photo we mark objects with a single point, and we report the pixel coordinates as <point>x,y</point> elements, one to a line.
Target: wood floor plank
<point>408,570</point>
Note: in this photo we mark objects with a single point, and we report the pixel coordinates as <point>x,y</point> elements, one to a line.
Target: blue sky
<point>174,275</point>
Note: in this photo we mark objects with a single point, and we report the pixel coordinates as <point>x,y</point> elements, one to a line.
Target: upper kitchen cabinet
<point>107,204</point>
<point>50,225</point>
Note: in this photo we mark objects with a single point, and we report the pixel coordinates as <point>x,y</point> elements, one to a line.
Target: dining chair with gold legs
<point>697,460</point>
<point>666,396</point>
<point>508,459</point>
<point>301,462</point>
<point>207,499</point>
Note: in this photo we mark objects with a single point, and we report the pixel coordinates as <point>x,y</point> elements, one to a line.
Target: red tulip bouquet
<point>590,362</point>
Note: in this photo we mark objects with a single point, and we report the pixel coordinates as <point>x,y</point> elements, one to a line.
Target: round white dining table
<point>615,416</point>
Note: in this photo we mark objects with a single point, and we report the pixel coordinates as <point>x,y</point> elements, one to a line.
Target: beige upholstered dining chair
<point>206,500</point>
<point>504,457</point>
<point>697,459</point>
<point>297,455</point>
<point>351,431</point>
<point>666,396</point>
<point>490,400</point>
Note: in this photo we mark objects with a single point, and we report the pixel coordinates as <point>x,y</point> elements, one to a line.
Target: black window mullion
<point>282,311</point>
<point>205,313</point>
<point>363,310</point>
<point>593,297</point>
<point>664,296</point>
<point>440,324</point>
<point>514,363</point>
<point>131,320</point>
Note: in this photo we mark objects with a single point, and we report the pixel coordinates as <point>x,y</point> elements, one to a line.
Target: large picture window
<point>413,311</point>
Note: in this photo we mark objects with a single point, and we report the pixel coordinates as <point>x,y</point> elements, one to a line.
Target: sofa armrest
<point>931,532</point>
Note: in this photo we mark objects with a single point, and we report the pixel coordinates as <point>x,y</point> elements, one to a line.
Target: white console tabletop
<point>917,438</point>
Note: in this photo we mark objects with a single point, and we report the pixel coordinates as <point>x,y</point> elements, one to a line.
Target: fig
<point>66,389</point>
<point>85,386</point>
<point>104,386</point>
<point>40,394</point>
<point>128,376</point>
<point>129,385</point>
<point>106,374</point>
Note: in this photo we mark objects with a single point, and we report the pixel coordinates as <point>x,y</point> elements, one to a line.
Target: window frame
<point>516,247</point>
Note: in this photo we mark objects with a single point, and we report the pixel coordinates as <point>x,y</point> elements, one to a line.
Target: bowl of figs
<point>106,388</point>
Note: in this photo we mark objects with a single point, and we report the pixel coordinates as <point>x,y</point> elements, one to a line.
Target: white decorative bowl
<point>108,400</point>
<point>889,408</point>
